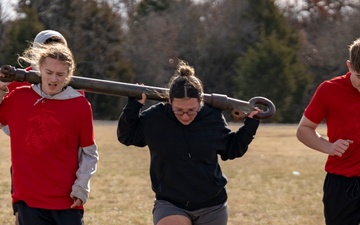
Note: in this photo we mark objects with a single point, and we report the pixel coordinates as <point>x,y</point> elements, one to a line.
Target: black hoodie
<point>184,166</point>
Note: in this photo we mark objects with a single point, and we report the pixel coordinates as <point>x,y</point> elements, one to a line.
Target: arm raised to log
<point>239,109</point>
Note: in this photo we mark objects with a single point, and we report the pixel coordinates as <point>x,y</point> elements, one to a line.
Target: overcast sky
<point>8,12</point>
<point>7,9</point>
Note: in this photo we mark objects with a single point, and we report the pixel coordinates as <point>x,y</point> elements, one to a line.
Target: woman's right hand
<point>143,98</point>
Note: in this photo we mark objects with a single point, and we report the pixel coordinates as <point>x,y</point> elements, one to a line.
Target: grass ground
<point>278,181</point>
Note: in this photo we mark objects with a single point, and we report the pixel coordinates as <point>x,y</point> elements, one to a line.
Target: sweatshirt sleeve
<point>87,155</point>
<point>237,143</point>
<point>88,158</point>
<point>130,126</point>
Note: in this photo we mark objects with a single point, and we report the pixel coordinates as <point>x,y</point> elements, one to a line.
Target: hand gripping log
<point>239,109</point>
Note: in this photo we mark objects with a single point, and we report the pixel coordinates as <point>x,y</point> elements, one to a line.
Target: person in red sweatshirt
<point>53,150</point>
<point>43,37</point>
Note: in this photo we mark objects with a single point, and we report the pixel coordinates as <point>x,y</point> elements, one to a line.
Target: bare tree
<point>327,28</point>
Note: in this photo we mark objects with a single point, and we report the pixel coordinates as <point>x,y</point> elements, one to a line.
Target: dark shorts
<point>35,216</point>
<point>14,206</point>
<point>215,215</point>
<point>11,191</point>
<point>341,200</point>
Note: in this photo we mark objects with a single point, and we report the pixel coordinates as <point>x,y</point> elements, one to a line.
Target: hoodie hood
<point>67,93</point>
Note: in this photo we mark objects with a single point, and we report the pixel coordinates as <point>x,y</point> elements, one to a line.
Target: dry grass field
<point>262,188</point>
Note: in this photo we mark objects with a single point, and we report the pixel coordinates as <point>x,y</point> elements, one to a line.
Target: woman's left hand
<point>253,113</point>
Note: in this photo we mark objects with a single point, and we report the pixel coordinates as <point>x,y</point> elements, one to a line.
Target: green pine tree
<point>19,34</point>
<point>271,67</point>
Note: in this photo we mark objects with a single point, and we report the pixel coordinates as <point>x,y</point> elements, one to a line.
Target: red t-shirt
<point>45,140</point>
<point>338,102</point>
<point>16,84</point>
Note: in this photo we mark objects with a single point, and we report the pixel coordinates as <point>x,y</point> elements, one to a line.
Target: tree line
<point>240,48</point>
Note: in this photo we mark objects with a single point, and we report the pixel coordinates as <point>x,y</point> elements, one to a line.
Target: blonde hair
<point>37,55</point>
<point>354,55</point>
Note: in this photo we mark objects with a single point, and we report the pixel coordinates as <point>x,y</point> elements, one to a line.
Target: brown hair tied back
<point>184,69</point>
<point>184,83</point>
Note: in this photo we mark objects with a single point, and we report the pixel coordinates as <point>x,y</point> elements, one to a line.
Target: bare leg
<point>16,218</point>
<point>174,220</point>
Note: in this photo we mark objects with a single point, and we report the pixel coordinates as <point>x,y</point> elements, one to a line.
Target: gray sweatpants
<point>215,215</point>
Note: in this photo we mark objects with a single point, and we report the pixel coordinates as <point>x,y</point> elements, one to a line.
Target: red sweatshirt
<point>46,135</point>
